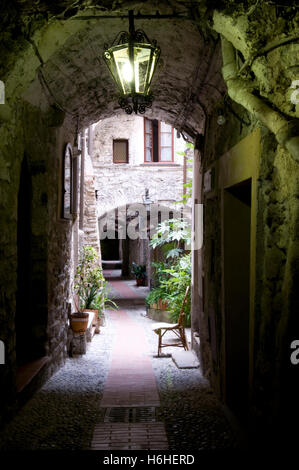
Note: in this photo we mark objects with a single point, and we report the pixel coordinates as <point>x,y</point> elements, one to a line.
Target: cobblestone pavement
<point>193,416</point>
<point>65,411</point>
<point>119,289</point>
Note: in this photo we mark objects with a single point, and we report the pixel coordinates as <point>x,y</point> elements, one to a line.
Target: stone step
<point>111,264</point>
<point>122,303</point>
<point>185,359</point>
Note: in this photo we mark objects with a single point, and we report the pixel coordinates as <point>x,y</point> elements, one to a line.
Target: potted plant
<point>156,299</point>
<point>102,302</point>
<point>87,284</point>
<point>140,273</point>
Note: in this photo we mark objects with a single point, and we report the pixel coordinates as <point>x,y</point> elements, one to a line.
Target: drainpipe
<point>240,91</point>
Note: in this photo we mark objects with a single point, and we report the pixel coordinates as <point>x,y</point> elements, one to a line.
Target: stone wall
<point>61,259</point>
<point>118,185</point>
<point>219,139</point>
<point>29,138</point>
<point>121,184</point>
<point>67,73</point>
<point>90,225</point>
<point>273,384</point>
<point>276,382</point>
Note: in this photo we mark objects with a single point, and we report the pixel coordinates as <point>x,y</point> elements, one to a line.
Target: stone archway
<point>55,85</point>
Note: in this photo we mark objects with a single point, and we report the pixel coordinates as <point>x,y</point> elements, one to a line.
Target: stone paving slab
<point>120,289</point>
<point>130,383</point>
<point>125,289</point>
<point>185,359</point>
<point>63,414</point>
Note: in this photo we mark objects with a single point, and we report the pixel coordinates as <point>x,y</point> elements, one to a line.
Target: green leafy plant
<point>171,235</point>
<point>174,287</point>
<point>89,278</point>
<point>102,300</point>
<point>185,197</point>
<point>154,296</point>
<point>173,274</point>
<point>173,280</point>
<point>139,270</point>
<point>159,267</point>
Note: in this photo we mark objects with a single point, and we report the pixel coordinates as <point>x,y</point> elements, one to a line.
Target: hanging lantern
<point>132,60</point>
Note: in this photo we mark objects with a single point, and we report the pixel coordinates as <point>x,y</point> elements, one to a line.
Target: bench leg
<point>159,343</point>
<point>183,338</point>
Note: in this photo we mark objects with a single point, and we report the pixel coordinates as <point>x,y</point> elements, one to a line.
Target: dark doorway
<point>24,334</point>
<point>237,216</point>
<point>110,249</point>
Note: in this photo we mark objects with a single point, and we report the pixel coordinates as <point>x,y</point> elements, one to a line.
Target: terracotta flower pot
<point>162,304</point>
<point>96,312</point>
<point>97,330</point>
<point>79,322</point>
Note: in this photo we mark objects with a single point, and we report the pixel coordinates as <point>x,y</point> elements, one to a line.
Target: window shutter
<point>120,151</point>
<point>148,140</point>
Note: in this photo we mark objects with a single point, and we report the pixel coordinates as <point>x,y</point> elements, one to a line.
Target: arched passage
<point>56,85</point>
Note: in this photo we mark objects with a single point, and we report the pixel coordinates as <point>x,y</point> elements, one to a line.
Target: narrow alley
<point>120,395</point>
<point>151,149</point>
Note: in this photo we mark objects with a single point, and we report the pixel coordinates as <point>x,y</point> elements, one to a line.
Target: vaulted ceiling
<point>70,71</point>
<point>51,54</point>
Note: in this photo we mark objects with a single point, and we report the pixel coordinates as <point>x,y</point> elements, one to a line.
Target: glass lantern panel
<point>152,68</point>
<point>124,68</point>
<point>141,65</point>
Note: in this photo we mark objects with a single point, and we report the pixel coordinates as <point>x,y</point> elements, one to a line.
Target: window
<point>69,184</point>
<point>67,188</point>
<point>158,141</point>
<point>120,151</point>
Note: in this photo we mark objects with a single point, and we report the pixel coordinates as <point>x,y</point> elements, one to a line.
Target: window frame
<point>73,192</point>
<point>68,153</point>
<point>122,162</point>
<point>144,137</point>
<point>159,143</point>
